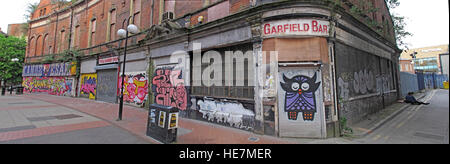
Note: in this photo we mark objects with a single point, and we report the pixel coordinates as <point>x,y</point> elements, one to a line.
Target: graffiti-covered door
<point>107,85</point>
<point>300,105</point>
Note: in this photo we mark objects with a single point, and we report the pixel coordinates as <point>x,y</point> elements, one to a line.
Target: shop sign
<point>109,60</point>
<point>296,27</point>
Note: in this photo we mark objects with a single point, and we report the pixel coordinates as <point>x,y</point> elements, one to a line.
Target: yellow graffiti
<point>89,85</point>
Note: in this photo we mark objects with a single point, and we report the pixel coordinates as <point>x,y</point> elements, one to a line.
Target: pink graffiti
<point>169,88</point>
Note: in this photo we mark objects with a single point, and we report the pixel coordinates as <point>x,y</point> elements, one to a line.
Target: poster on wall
<point>173,120</point>
<point>162,119</point>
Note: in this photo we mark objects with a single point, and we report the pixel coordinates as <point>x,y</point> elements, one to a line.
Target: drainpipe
<point>333,73</point>
<point>151,14</point>
<point>71,27</point>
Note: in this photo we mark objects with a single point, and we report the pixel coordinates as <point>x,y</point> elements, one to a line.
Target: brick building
<point>18,30</point>
<point>426,59</point>
<point>291,68</point>
<point>406,65</point>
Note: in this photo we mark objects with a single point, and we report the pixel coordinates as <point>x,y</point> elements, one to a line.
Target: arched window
<point>45,50</point>
<point>39,46</point>
<point>31,47</point>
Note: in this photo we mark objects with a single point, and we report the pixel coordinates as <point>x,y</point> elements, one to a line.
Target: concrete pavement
<point>24,120</point>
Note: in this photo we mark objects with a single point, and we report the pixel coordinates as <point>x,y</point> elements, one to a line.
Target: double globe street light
<point>122,33</point>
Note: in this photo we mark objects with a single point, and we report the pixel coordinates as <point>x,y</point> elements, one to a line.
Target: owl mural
<point>300,96</point>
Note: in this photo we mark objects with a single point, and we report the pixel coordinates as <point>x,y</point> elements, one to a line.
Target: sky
<point>427,20</point>
<point>13,11</point>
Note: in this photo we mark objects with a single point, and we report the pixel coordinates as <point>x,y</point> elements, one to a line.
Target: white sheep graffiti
<point>224,112</point>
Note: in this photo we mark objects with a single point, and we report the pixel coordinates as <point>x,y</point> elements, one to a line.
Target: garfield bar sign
<point>296,27</point>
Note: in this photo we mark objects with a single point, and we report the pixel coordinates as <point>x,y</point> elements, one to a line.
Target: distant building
<point>426,59</point>
<point>19,30</point>
<point>406,65</point>
<point>443,58</point>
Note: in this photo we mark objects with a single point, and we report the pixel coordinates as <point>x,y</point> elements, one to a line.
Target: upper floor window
<point>93,30</point>
<point>112,25</point>
<point>136,8</point>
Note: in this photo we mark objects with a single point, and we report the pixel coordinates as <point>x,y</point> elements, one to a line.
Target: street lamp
<point>131,28</point>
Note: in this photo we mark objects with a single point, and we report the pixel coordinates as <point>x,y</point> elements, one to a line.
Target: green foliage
<point>399,25</point>
<point>31,8</point>
<point>11,48</point>
<point>346,131</point>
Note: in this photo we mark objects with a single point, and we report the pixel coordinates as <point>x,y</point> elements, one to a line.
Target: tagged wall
<point>59,86</point>
<point>169,88</point>
<point>47,70</point>
<point>88,86</point>
<point>136,88</point>
<point>365,82</point>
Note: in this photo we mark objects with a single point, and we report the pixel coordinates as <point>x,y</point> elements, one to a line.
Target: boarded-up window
<point>236,79</point>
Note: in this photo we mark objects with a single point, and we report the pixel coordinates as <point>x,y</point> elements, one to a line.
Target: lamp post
<point>131,28</point>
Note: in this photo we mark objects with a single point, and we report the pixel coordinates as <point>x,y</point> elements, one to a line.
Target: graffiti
<point>300,96</point>
<point>269,87</point>
<point>52,85</point>
<point>230,113</point>
<point>48,70</point>
<point>169,88</point>
<point>136,88</point>
<point>89,85</point>
<point>363,82</point>
<point>343,89</point>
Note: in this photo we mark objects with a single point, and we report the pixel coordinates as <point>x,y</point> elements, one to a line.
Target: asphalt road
<point>424,124</point>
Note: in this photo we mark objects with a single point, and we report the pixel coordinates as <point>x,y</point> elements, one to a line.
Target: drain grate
<point>253,139</point>
<point>66,117</point>
<point>427,135</point>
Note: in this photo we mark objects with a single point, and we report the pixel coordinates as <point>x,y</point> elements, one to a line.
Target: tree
<point>31,8</point>
<point>399,25</point>
<point>11,48</point>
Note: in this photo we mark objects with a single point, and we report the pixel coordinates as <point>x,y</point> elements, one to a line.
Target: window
<point>112,25</point>
<point>236,74</point>
<point>44,45</point>
<point>62,41</point>
<point>31,46</point>
<point>136,7</point>
<point>92,30</point>
<point>76,36</point>
<point>39,46</point>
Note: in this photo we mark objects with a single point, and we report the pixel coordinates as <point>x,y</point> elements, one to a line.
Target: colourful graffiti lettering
<point>136,88</point>
<point>169,88</point>
<point>52,85</point>
<point>48,70</point>
<point>88,85</point>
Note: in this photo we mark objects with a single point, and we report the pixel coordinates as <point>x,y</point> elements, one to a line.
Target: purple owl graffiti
<point>300,96</point>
